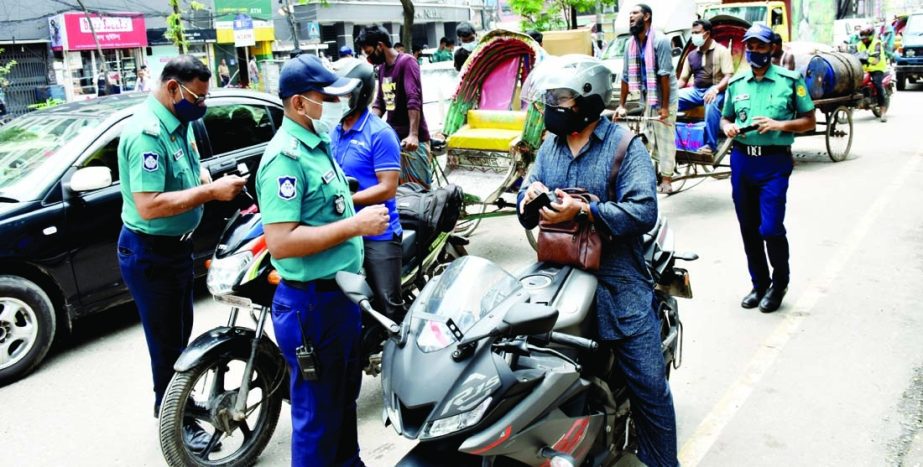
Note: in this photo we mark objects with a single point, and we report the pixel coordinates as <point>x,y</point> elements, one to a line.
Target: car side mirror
<point>528,319</point>
<point>677,51</point>
<point>90,178</point>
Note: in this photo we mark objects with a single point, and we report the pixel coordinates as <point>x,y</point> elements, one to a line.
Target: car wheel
<point>27,327</point>
<point>901,82</point>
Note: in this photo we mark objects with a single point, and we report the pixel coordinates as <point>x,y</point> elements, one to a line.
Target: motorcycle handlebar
<point>573,341</point>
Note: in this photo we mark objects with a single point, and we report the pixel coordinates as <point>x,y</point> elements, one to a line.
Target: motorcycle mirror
<point>357,289</point>
<point>354,286</point>
<point>528,319</point>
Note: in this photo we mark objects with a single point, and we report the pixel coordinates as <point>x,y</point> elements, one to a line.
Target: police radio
<point>306,356</point>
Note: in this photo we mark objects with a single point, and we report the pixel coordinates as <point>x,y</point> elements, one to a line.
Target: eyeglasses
<point>198,99</point>
<point>558,98</point>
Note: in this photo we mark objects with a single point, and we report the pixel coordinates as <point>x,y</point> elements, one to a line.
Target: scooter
<point>232,379</point>
<point>518,378</point>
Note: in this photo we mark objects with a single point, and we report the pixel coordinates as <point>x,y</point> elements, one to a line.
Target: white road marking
<point>711,427</point>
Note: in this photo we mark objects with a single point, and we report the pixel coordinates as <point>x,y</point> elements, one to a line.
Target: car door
<point>236,131</point>
<point>94,220</point>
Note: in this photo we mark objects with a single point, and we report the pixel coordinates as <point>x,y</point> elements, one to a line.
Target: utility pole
<point>290,14</point>
<point>99,49</point>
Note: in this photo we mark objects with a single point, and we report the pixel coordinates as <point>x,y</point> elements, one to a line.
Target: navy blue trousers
<point>759,186</point>
<point>160,280</point>
<point>324,427</point>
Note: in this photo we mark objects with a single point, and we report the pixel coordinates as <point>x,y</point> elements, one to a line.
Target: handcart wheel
<point>839,133</point>
<point>470,220</point>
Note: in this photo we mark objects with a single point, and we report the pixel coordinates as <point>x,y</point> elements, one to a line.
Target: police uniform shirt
<point>157,153</point>
<point>298,181</point>
<point>780,95</point>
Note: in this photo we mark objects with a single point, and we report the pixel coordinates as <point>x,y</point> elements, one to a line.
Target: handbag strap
<point>620,151</point>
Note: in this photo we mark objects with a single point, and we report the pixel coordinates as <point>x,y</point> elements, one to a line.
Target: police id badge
<point>287,186</point>
<point>150,162</point>
<point>339,204</point>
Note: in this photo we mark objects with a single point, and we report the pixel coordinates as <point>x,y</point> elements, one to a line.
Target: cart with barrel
<point>833,81</point>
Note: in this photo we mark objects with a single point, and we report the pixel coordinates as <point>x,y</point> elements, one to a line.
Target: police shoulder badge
<point>150,161</point>
<point>801,91</point>
<point>287,185</point>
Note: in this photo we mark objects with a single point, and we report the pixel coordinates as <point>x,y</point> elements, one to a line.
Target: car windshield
<point>751,14</point>
<point>470,288</point>
<point>616,49</point>
<point>914,25</point>
<point>28,145</point>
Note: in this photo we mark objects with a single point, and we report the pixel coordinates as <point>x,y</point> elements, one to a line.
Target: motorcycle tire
<point>250,441</point>
<point>876,111</point>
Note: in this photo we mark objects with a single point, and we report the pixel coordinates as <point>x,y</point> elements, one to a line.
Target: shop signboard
<point>193,36</point>
<point>243,31</point>
<point>72,31</point>
<point>227,10</point>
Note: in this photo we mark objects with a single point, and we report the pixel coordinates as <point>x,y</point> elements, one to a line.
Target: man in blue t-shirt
<point>367,148</point>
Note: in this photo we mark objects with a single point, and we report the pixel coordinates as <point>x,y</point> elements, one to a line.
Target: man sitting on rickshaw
<point>710,67</point>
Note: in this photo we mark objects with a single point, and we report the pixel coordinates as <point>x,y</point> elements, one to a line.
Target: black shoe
<point>773,299</point>
<point>196,438</point>
<point>752,299</point>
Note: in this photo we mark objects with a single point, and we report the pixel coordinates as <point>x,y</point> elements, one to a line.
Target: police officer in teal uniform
<point>313,231</point>
<point>776,101</point>
<point>163,190</point>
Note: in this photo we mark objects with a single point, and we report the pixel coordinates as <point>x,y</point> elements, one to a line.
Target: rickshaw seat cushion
<point>497,119</point>
<point>484,139</point>
<point>488,130</point>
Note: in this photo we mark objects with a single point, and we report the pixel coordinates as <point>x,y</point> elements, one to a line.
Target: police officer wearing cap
<point>163,190</point>
<point>313,231</point>
<point>776,102</point>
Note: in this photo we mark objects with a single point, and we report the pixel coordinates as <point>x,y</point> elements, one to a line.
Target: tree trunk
<point>407,34</point>
<point>99,49</point>
<point>180,38</point>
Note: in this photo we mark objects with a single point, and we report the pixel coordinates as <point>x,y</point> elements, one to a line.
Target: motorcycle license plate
<point>235,301</point>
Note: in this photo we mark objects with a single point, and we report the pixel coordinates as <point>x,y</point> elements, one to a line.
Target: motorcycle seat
<point>408,246</point>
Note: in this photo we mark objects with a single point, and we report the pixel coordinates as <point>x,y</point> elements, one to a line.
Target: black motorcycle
<point>518,380</point>
<point>232,379</point>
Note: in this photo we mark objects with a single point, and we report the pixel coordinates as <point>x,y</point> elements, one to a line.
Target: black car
<point>60,209</point>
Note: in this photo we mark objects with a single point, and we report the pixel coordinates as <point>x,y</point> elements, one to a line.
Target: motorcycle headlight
<point>225,273</point>
<point>449,425</point>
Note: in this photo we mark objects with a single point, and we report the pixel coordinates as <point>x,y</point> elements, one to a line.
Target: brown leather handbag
<point>577,242</point>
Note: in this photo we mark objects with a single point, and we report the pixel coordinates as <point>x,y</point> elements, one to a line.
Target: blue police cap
<point>346,50</point>
<point>306,73</point>
<point>760,32</point>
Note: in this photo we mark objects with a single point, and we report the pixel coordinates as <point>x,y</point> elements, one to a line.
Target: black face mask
<point>563,121</point>
<point>376,57</point>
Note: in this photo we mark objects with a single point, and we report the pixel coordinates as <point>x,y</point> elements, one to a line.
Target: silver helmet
<point>575,76</point>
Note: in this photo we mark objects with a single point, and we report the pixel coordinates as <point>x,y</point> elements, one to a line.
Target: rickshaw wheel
<point>839,133</point>
<point>470,220</point>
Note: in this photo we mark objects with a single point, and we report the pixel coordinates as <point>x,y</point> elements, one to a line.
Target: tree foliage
<point>175,29</point>
<point>556,14</point>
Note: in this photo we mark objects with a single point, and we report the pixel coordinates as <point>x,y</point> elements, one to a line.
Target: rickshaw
<point>491,134</point>
<point>837,126</point>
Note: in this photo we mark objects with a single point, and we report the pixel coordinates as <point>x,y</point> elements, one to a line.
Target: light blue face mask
<point>698,39</point>
<point>469,46</point>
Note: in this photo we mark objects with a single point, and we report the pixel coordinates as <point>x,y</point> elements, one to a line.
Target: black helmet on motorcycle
<point>362,96</point>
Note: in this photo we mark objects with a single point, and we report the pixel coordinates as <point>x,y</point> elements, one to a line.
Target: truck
<point>775,14</point>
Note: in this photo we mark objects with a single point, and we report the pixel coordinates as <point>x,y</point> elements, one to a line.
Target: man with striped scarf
<point>649,66</point>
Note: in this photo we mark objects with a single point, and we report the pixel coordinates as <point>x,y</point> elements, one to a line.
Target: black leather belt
<point>165,240</point>
<point>320,285</point>
<point>756,151</point>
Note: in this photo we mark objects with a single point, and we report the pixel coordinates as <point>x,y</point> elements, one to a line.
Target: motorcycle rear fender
<point>236,341</point>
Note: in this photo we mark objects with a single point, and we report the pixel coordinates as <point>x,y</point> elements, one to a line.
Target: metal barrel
<point>833,74</point>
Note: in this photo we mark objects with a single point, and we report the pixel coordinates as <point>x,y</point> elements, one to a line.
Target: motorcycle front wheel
<point>206,393</point>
